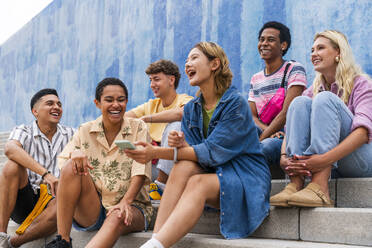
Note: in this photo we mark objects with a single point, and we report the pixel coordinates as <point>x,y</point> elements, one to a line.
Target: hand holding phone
<point>125,144</point>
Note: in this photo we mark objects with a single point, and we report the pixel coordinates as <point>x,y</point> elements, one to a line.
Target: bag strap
<point>285,73</point>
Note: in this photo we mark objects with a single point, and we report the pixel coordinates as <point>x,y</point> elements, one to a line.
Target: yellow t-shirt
<point>154,106</point>
<point>112,169</point>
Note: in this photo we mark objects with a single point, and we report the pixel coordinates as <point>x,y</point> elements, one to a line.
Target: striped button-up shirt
<point>44,151</point>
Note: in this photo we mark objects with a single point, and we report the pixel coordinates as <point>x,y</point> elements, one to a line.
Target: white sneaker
<point>4,240</point>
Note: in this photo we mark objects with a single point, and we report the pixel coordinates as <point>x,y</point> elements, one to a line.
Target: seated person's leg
<point>114,226</point>
<point>78,201</point>
<point>164,166</point>
<point>177,181</point>
<point>13,181</point>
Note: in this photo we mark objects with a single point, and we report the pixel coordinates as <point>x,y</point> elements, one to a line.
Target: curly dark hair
<point>109,81</point>
<point>167,67</point>
<point>284,34</point>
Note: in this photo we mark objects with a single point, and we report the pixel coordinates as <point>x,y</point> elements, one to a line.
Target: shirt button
<point>220,174</point>
<point>223,193</point>
<point>223,213</point>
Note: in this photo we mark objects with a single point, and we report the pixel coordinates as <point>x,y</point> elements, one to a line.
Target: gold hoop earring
<point>337,59</point>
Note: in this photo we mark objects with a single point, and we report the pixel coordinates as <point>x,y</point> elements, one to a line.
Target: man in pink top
<point>274,40</point>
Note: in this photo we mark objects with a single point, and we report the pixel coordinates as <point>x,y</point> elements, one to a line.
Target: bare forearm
<point>17,154</point>
<point>352,142</point>
<point>259,123</point>
<point>184,153</point>
<point>276,125</point>
<point>134,188</point>
<point>166,116</point>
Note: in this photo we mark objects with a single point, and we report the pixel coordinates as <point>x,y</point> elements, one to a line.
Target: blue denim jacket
<point>232,150</point>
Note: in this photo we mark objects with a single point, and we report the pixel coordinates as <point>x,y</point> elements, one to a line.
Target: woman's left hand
<point>125,210</point>
<point>314,163</point>
<point>141,155</point>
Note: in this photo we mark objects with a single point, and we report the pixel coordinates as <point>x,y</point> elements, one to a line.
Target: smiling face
<point>198,68</point>
<point>113,103</point>
<point>48,109</point>
<point>161,84</point>
<point>269,45</point>
<point>323,56</point>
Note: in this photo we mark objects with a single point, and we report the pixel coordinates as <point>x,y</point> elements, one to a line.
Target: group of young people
<point>214,149</point>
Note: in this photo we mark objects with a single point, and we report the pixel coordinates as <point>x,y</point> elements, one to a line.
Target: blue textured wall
<point>73,44</point>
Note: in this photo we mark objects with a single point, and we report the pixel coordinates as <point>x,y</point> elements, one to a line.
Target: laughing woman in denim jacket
<point>219,157</point>
<point>330,130</point>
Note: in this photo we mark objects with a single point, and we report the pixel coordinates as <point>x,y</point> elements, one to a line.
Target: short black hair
<point>284,35</point>
<point>167,67</point>
<point>109,81</point>
<point>40,94</point>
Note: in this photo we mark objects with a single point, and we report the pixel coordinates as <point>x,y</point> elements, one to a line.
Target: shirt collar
<point>37,132</point>
<point>225,97</point>
<point>97,127</point>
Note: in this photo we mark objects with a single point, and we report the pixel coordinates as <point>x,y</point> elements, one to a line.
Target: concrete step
<point>134,240</point>
<point>1,151</point>
<point>333,225</point>
<point>3,159</point>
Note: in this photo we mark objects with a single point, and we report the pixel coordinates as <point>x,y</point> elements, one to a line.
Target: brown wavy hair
<point>223,74</point>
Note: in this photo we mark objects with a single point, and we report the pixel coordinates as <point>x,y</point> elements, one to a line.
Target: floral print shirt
<point>112,169</point>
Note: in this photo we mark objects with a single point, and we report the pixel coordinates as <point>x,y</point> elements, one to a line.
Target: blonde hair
<point>222,75</point>
<point>346,69</point>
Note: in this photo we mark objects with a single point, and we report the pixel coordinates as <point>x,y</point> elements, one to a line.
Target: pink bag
<point>275,104</point>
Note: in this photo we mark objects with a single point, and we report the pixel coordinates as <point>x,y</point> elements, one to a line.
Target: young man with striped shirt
<point>274,40</point>
<point>32,152</point>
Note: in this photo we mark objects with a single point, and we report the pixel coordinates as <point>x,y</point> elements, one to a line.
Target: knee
<point>11,169</point>
<point>182,171</point>
<point>196,184</point>
<point>67,170</point>
<point>299,103</point>
<point>115,220</point>
<point>324,99</point>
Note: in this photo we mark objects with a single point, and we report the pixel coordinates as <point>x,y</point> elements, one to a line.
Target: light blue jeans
<point>317,126</point>
<point>271,148</point>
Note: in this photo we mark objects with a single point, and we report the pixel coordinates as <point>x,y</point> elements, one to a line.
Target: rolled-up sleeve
<point>361,103</point>
<point>69,148</point>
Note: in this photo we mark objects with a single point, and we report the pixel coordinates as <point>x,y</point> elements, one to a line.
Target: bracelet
<point>283,154</point>
<point>175,153</point>
<point>45,173</point>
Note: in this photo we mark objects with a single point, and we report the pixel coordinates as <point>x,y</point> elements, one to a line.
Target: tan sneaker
<point>311,196</point>
<point>281,199</point>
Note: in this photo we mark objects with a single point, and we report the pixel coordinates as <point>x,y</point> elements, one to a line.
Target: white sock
<point>160,185</point>
<point>152,243</point>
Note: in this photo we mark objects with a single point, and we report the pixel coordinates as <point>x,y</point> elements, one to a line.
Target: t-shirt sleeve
<point>72,145</point>
<point>19,134</point>
<point>138,168</point>
<point>251,93</point>
<point>297,76</point>
<point>184,99</point>
<point>139,111</point>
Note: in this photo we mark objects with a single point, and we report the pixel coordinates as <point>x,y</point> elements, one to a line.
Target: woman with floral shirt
<point>100,187</point>
<point>220,162</point>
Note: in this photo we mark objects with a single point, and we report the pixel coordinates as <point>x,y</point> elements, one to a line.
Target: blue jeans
<point>271,148</point>
<point>317,126</point>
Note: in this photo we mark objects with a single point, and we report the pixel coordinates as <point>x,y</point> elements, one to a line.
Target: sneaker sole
<point>311,205</point>
<point>279,204</point>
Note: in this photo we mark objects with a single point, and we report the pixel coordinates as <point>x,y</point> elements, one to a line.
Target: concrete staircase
<point>347,225</point>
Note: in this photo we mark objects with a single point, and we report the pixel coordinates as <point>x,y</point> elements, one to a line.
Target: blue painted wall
<point>73,44</point>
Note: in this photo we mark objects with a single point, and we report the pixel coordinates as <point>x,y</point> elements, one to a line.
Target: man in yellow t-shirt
<point>162,114</point>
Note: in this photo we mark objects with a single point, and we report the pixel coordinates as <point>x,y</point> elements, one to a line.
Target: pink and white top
<point>263,86</point>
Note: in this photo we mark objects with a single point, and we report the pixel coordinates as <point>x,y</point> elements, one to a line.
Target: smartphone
<point>125,144</point>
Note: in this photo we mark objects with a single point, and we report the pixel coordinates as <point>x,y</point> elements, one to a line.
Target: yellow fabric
<point>154,106</point>
<point>45,197</point>
<point>112,169</point>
